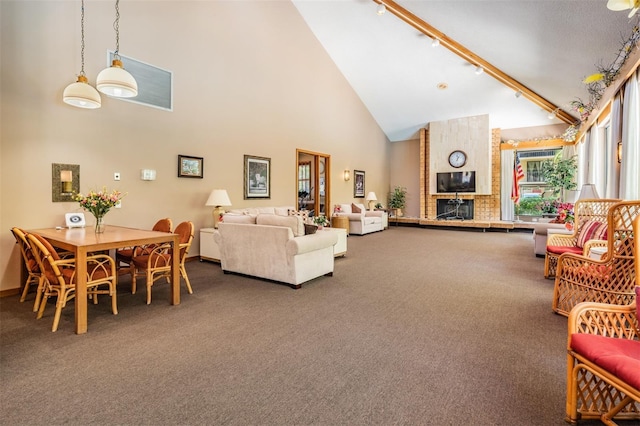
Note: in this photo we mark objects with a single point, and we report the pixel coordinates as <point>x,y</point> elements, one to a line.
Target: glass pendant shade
<point>81,94</point>
<point>116,81</point>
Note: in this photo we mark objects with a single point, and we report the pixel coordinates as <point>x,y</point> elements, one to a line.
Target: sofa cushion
<point>619,356</point>
<point>310,229</point>
<point>591,230</point>
<point>564,249</point>
<point>239,218</point>
<point>293,222</point>
<point>355,208</point>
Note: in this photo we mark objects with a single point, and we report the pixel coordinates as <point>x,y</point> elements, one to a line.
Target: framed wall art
<point>257,177</point>
<point>358,184</point>
<point>190,167</point>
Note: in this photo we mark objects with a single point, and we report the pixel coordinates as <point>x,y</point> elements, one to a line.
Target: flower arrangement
<point>99,203</point>
<point>321,220</point>
<point>337,208</point>
<point>565,213</point>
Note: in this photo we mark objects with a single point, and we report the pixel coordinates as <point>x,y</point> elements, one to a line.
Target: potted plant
<point>398,199</point>
<point>559,174</point>
<point>321,221</point>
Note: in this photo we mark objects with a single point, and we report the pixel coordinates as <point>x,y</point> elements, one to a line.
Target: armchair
<point>60,277</point>
<point>156,262</point>
<point>608,280</point>
<point>31,265</point>
<point>361,220</point>
<point>586,212</point>
<point>603,362</point>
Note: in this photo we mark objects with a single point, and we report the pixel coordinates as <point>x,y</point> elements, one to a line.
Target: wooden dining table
<point>81,241</point>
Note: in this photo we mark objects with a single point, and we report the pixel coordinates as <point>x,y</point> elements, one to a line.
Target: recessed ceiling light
<point>479,70</point>
<point>442,86</point>
<point>381,9</point>
<point>435,42</point>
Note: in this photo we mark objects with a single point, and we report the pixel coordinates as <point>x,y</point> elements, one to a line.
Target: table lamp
<point>371,197</point>
<point>588,192</point>
<point>218,198</point>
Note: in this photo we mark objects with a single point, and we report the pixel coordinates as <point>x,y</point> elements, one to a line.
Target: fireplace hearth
<point>454,209</point>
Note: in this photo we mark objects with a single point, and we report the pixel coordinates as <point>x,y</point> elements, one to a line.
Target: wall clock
<point>457,158</point>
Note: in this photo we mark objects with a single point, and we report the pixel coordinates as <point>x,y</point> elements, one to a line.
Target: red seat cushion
<point>564,249</point>
<point>618,356</point>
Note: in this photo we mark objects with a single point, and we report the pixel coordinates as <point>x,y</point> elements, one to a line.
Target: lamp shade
<point>588,192</point>
<point>81,94</point>
<point>218,197</point>
<point>116,81</point>
<point>371,196</point>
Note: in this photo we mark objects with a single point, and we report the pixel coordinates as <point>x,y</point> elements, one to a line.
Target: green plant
<point>321,221</point>
<point>398,197</point>
<point>559,174</point>
<point>378,206</point>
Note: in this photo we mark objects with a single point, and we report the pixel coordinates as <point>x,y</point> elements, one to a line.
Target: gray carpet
<point>416,327</point>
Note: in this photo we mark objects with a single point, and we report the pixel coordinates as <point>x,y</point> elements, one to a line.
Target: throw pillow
<point>591,230</point>
<point>304,214</point>
<point>355,209</point>
<point>311,229</point>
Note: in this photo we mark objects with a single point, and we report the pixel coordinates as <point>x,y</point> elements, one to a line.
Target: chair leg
<point>26,290</point>
<point>183,272</point>
<point>56,317</point>
<point>133,278</point>
<point>39,292</point>
<point>149,284</point>
<point>114,299</point>
<point>43,304</point>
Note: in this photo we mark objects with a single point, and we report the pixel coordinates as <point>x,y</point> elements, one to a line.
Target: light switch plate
<point>116,176</point>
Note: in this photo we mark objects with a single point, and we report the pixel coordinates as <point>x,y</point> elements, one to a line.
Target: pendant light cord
<point>116,26</point>
<point>82,39</point>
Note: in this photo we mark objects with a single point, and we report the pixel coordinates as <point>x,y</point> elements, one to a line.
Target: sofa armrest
<point>374,213</point>
<point>309,243</point>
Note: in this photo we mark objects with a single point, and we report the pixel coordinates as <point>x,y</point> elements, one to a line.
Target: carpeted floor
<point>416,327</point>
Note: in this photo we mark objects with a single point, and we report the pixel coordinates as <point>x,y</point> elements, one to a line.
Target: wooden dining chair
<point>156,263</point>
<point>124,255</point>
<point>60,277</point>
<point>34,276</point>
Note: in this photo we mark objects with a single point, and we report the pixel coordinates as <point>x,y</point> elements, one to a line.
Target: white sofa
<point>362,222</point>
<point>274,247</point>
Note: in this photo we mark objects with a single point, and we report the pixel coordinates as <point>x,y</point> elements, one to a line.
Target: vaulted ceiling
<point>548,46</point>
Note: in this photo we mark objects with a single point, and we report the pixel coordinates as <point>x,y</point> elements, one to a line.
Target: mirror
<point>313,183</point>
<point>65,181</point>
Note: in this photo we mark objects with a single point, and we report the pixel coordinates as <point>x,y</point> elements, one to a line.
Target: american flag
<point>518,175</point>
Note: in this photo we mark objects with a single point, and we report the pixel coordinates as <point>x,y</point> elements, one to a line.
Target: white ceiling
<point>547,45</point>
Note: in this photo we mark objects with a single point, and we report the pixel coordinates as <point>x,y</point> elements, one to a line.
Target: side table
<point>340,249</point>
<point>340,222</point>
<point>209,250</point>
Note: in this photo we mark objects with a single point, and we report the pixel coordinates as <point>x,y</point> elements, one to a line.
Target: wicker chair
<point>603,353</point>
<point>608,280</point>
<point>124,255</point>
<point>156,263</point>
<point>557,244</point>
<point>60,277</point>
<point>34,276</point>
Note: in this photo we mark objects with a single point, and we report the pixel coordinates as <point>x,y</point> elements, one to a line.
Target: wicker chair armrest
<point>100,263</point>
<point>591,244</point>
<point>603,319</point>
<point>561,240</point>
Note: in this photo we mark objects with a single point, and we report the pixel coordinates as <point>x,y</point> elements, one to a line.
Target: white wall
<point>249,78</point>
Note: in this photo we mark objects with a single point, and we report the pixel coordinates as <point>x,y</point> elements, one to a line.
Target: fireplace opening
<point>454,209</point>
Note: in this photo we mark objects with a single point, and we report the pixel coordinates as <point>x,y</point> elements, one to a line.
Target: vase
<point>99,224</point>
<point>569,226</point>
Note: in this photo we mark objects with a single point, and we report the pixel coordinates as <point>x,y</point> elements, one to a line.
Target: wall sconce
<point>147,174</point>
<point>65,181</point>
<point>619,151</point>
<point>347,175</point>
<point>218,198</point>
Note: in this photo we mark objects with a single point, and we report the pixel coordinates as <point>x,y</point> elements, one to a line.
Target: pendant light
<point>115,81</point>
<point>81,94</point>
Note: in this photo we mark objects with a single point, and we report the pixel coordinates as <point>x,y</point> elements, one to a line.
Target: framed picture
<point>257,177</point>
<point>358,184</point>
<point>190,167</point>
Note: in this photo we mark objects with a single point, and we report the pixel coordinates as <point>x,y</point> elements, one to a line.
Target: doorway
<point>312,182</point>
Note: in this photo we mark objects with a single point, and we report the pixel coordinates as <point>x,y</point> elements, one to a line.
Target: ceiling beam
<point>474,59</point>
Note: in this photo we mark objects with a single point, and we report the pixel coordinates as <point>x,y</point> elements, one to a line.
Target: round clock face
<point>457,158</point>
<point>75,219</point>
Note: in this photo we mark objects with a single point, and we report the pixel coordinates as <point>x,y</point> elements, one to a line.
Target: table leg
<point>175,272</point>
<point>81,290</point>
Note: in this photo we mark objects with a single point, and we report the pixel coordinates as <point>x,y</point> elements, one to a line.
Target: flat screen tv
<point>456,182</point>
